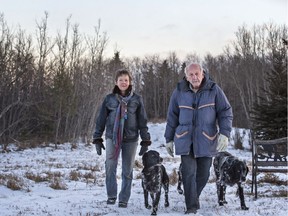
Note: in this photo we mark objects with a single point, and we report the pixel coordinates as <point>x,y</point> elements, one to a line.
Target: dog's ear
<point>159,159</point>
<point>247,169</point>
<point>144,159</point>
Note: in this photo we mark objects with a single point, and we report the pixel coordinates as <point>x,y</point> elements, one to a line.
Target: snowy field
<point>77,175</point>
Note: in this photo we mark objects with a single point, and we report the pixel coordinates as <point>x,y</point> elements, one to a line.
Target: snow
<point>87,195</point>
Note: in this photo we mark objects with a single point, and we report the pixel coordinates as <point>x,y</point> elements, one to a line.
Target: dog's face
<point>230,169</point>
<point>235,171</point>
<point>151,158</point>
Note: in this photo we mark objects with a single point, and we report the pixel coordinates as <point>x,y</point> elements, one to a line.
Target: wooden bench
<point>268,156</point>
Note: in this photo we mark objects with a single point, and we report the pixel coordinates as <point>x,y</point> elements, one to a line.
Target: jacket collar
<point>206,84</point>
<point>116,90</point>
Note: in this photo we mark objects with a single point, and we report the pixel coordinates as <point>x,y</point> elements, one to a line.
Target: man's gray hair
<point>194,63</point>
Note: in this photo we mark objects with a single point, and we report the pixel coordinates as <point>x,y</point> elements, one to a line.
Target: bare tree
<point>94,78</point>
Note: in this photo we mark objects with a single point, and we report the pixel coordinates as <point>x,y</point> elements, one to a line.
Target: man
<point>199,122</point>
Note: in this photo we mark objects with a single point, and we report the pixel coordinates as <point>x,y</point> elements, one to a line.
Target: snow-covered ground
<point>79,172</point>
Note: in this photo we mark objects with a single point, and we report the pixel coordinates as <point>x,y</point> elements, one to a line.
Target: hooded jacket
<point>135,124</point>
<point>194,119</point>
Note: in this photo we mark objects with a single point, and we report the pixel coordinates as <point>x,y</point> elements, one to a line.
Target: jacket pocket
<point>132,107</point>
<point>208,141</point>
<point>181,135</point>
<point>208,136</point>
<point>182,140</point>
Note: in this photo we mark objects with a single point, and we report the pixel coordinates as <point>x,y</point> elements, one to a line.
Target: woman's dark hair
<point>123,72</point>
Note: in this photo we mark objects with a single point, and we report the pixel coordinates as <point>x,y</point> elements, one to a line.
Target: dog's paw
<point>166,204</point>
<point>221,203</point>
<point>244,208</point>
<point>180,191</point>
<point>154,213</point>
<point>148,206</point>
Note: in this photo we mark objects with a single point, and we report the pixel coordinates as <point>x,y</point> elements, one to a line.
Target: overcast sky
<point>145,27</point>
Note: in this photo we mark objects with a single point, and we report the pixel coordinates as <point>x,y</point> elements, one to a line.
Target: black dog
<point>154,176</point>
<point>229,170</point>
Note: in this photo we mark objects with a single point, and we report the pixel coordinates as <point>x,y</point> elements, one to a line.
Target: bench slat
<point>271,142</point>
<point>271,163</point>
<point>272,170</point>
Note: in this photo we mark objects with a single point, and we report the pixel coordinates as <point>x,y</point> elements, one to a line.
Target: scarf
<point>121,116</point>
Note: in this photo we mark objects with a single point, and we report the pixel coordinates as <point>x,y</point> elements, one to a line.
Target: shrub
<point>58,184</point>
<point>75,175</point>
<point>36,177</point>
<point>238,142</point>
<point>173,177</point>
<point>12,182</point>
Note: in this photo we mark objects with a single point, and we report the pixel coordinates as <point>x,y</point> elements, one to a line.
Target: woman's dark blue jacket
<point>194,119</point>
<point>135,124</point>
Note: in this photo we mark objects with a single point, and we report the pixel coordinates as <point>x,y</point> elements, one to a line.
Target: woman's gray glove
<point>99,145</point>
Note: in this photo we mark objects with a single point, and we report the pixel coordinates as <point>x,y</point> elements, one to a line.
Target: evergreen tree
<point>114,64</point>
<point>270,114</point>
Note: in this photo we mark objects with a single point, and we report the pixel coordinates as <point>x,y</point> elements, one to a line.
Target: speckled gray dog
<point>229,170</point>
<point>154,177</point>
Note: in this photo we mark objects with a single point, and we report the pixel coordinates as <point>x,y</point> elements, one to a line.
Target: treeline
<point>51,87</point>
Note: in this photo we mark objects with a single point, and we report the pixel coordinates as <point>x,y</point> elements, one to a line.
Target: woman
<point>124,117</point>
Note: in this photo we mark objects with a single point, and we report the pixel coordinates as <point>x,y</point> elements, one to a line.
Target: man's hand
<point>99,145</point>
<point>170,148</point>
<point>222,143</point>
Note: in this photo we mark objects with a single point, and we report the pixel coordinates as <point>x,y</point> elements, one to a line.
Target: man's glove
<point>144,146</point>
<point>99,145</point>
<point>222,143</point>
<point>170,148</point>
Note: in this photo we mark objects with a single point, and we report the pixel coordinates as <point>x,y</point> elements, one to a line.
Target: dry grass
<point>58,184</point>
<point>75,175</point>
<point>95,168</point>
<point>90,177</point>
<point>280,193</point>
<point>272,179</point>
<point>173,177</point>
<point>138,164</point>
<point>36,177</point>
<point>13,182</point>
<point>74,146</point>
